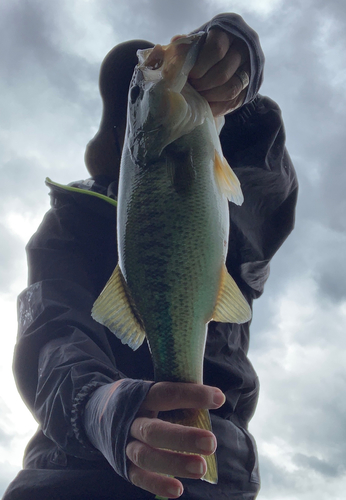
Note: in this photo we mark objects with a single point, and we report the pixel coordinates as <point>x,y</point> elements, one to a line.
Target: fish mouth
<point>172,62</point>
<point>162,105</point>
<point>155,59</point>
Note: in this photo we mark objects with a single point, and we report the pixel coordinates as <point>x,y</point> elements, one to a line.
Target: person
<point>100,435</point>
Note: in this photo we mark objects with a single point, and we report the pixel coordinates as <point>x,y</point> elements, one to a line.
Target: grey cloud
<point>331,277</point>
<point>32,57</point>
<point>180,17</point>
<point>49,95</point>
<point>314,249</point>
<point>274,477</point>
<point>300,74</point>
<point>321,466</point>
<point>305,411</point>
<point>310,100</point>
<point>313,480</point>
<point>22,183</point>
<point>27,28</point>
<point>156,20</point>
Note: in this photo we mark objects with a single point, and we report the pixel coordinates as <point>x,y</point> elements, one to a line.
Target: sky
<point>50,54</point>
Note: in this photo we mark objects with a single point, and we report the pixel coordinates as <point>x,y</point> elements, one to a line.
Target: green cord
<point>83,191</point>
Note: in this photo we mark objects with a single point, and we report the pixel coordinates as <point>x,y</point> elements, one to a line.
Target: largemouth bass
<point>173,225</point>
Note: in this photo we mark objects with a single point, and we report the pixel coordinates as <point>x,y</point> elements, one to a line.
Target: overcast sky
<point>50,54</point>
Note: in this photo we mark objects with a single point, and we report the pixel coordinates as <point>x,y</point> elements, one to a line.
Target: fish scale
<point>174,232</point>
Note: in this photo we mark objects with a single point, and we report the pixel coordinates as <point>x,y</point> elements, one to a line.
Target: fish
<point>173,228</point>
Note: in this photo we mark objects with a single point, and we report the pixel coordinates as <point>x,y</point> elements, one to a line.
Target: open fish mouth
<point>171,62</point>
<point>163,106</point>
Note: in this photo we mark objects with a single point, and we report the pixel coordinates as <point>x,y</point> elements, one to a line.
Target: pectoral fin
<point>227,180</point>
<point>115,309</point>
<point>231,306</point>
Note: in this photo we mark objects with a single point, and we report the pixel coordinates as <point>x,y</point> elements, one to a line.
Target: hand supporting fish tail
<point>160,450</point>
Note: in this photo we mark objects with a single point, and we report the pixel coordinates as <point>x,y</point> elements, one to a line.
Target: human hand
<point>222,70</point>
<point>158,447</point>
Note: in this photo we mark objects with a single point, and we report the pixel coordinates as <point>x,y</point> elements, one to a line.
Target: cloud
<point>11,249</point>
<point>263,7</point>
<point>299,481</point>
<point>22,183</point>
<point>158,20</point>
<point>306,46</point>
<point>32,52</point>
<point>5,439</point>
<point>299,425</point>
<point>51,94</point>
<point>320,466</point>
<point>7,473</point>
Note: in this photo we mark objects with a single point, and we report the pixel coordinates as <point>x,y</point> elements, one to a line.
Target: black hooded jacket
<point>62,355</point>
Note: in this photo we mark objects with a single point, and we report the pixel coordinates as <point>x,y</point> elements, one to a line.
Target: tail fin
<point>201,420</point>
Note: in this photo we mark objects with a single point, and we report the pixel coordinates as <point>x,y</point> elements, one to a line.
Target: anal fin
<point>115,309</point>
<point>231,305</point>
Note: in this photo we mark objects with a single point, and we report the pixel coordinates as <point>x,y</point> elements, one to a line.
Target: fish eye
<point>134,93</point>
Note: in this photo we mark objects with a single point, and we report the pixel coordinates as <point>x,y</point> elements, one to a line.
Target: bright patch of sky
<point>261,7</point>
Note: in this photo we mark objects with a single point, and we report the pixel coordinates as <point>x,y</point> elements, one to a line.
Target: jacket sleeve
<point>253,141</point>
<point>62,355</point>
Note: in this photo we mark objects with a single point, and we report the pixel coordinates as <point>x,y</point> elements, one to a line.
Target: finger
<point>224,107</point>
<point>165,396</point>
<point>165,461</point>
<point>241,47</point>
<point>229,90</point>
<point>159,434</point>
<point>241,78</point>
<point>163,486</point>
<point>214,50</point>
<point>220,73</point>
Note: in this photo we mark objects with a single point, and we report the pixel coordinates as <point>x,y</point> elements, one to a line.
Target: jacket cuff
<point>77,416</point>
<point>108,417</point>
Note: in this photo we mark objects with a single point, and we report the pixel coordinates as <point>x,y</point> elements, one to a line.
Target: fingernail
<point>195,468</point>
<point>218,398</point>
<point>206,444</point>
<point>175,491</point>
